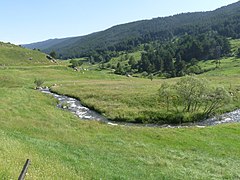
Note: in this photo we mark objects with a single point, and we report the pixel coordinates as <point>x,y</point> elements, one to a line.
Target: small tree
<point>191,91</point>
<point>193,95</point>
<point>165,94</point>
<point>53,54</point>
<point>76,63</point>
<point>216,99</point>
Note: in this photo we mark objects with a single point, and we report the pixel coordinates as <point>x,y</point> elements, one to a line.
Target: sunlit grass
<point>61,146</point>
<point>14,55</point>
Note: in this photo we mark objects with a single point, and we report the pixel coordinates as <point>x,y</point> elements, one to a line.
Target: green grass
<point>229,66</point>
<point>136,99</point>
<point>15,55</point>
<point>60,146</point>
<point>117,99</point>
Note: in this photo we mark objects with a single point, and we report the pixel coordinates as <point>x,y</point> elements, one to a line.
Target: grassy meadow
<point>131,99</point>
<point>60,146</point>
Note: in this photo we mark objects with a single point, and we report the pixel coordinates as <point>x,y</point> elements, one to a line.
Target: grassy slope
<point>61,146</point>
<point>14,55</point>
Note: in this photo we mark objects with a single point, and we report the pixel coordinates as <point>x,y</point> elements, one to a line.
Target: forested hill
<point>225,21</point>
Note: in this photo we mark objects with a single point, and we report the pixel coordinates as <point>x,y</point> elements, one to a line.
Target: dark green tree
<point>180,66</point>
<point>75,63</point>
<point>53,54</point>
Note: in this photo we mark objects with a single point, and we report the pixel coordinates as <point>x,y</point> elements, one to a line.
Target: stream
<point>73,105</point>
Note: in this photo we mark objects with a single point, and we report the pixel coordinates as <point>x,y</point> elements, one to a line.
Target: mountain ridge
<point>128,35</point>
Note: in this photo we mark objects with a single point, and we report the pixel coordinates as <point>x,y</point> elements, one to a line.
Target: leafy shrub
<point>193,98</point>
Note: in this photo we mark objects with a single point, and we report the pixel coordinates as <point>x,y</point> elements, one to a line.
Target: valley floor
<point>60,146</point>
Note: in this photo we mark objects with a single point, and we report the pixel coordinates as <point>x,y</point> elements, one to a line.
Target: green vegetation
<point>53,54</point>
<point>76,63</point>
<point>180,56</point>
<point>124,63</point>
<point>15,55</point>
<point>61,146</point>
<point>136,99</point>
<point>194,97</point>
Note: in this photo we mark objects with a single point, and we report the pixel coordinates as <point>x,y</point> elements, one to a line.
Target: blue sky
<point>27,21</point>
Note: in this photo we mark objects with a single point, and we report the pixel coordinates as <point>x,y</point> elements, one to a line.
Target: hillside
<point>225,21</point>
<point>15,55</point>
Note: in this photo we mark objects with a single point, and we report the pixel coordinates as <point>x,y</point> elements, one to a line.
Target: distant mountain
<point>225,21</point>
<point>46,44</point>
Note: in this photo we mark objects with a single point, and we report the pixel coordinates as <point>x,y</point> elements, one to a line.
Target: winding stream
<point>73,105</point>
